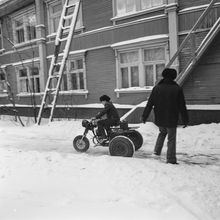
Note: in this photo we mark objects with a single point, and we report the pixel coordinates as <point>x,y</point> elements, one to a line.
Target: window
<point>55,9</point>
<point>154,63</point>
<point>24,26</point>
<point>76,75</point>
<point>141,67</point>
<point>1,37</point>
<point>63,85</point>
<point>73,78</point>
<point>28,80</point>
<point>129,68</point>
<point>3,85</point>
<point>124,7</point>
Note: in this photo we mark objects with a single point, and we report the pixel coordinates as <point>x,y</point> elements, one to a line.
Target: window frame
<point>154,63</point>
<point>138,8</point>
<point>129,66</point>
<point>73,55</point>
<point>29,79</point>
<point>24,16</point>
<point>51,16</point>
<point>3,84</point>
<point>140,46</point>
<point>76,72</point>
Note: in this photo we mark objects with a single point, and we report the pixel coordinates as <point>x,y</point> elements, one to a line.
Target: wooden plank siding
<point>19,56</point>
<point>101,75</point>
<point>186,20</point>
<point>12,5</point>
<point>187,52</point>
<point>116,34</point>
<point>191,3</point>
<point>96,14</point>
<point>203,85</point>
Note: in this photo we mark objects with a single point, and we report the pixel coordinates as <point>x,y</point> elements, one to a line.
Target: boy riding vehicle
<point>112,119</point>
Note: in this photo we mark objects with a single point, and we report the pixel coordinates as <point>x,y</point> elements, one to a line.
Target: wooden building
<point>119,48</point>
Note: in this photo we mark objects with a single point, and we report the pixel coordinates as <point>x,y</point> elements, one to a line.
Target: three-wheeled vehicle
<point>121,140</point>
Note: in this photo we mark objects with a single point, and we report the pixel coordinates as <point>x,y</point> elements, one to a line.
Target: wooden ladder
<point>64,35</point>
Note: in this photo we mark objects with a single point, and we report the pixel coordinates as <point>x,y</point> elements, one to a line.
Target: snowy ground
<point>43,178</point>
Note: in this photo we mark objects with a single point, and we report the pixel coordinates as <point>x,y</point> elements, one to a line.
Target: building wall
<point>115,34</point>
<point>96,14</point>
<point>101,30</point>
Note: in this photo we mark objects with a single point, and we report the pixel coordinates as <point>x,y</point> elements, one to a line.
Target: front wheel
<point>81,143</point>
<point>121,146</point>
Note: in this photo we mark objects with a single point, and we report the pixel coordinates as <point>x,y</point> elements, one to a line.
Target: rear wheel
<point>137,139</point>
<point>121,146</point>
<point>81,143</point>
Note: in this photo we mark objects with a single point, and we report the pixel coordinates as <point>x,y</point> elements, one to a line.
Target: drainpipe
<point>171,10</point>
<point>41,36</point>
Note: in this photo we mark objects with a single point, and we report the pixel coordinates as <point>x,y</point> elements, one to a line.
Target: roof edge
<point>9,6</point>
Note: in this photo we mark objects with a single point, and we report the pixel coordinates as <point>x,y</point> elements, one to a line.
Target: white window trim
<point>139,44</point>
<point>26,66</point>
<point>136,13</point>
<point>23,15</point>
<point>74,55</point>
<point>77,71</point>
<point>1,38</point>
<point>49,3</point>
<point>4,93</point>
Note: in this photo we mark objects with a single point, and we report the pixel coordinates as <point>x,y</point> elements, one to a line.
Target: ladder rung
<point>69,6</point>
<point>65,28</point>
<point>63,39</point>
<point>57,64</point>
<point>54,76</point>
<point>51,90</point>
<point>67,17</point>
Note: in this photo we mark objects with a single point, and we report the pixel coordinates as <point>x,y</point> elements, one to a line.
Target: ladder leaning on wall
<point>64,37</point>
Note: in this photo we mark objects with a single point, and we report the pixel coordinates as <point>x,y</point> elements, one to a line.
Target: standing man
<point>167,100</point>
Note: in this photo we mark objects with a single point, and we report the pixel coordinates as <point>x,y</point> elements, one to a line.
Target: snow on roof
<point>203,107</point>
<point>92,105</point>
<point>192,107</point>
<point>141,39</point>
<point>126,106</point>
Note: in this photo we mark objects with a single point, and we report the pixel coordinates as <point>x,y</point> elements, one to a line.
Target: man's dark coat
<point>167,100</point>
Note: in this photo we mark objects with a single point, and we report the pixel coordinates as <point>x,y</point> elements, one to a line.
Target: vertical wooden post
<point>173,30</point>
<point>41,36</point>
